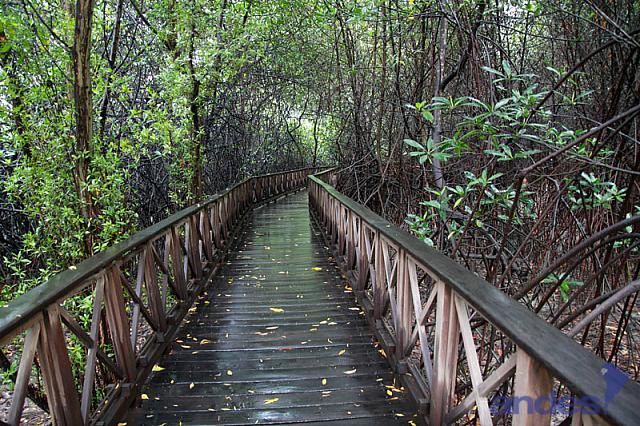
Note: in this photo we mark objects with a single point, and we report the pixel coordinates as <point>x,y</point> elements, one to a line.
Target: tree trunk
<point>437,115</point>
<point>80,54</point>
<point>196,124</point>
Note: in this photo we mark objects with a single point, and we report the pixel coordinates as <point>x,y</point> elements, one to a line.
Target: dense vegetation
<point>503,133</point>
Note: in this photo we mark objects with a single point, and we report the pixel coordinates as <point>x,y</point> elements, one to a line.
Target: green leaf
<point>413,144</point>
<point>492,71</point>
<point>431,203</point>
<point>427,115</point>
<point>506,67</point>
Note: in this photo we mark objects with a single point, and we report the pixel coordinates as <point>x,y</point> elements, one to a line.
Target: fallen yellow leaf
<point>157,368</point>
<point>204,341</point>
<point>316,268</point>
<point>278,310</point>
<point>144,396</point>
<point>350,371</point>
<point>191,385</point>
<point>271,401</point>
<point>342,352</point>
<point>324,382</point>
<point>229,373</point>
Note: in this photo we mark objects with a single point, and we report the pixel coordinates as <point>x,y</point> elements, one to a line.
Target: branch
<point>629,289</point>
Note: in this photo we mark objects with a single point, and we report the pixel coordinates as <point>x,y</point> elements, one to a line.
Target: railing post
<point>379,285</point>
<point>92,352</point>
<point>533,385</point>
<point>180,278</point>
<point>363,259</point>
<point>118,324</point>
<point>254,194</point>
<point>215,224</point>
<point>351,242</point>
<point>403,301</point>
<point>445,354</point>
<point>194,247</point>
<point>62,396</point>
<point>153,291</point>
<point>24,374</point>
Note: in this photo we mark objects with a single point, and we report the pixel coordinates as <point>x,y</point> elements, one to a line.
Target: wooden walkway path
<point>277,338</point>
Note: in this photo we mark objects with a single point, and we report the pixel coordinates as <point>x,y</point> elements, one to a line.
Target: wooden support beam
<point>92,351</point>
<point>64,405</point>
<point>532,392</point>
<point>24,374</point>
<point>445,354</point>
<point>119,325</point>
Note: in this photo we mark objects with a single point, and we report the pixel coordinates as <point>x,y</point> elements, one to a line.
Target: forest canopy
<point>502,133</point>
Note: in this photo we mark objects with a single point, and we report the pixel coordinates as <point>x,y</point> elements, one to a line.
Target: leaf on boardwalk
<point>144,396</point>
<point>350,371</point>
<point>191,386</point>
<point>157,368</point>
<point>277,310</point>
<point>204,341</point>
<point>324,382</point>
<point>342,352</point>
<point>316,268</point>
<point>271,401</point>
<point>273,327</point>
<point>229,373</point>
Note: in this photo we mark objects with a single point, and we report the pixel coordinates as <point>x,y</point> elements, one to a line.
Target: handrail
<point>147,283</point>
<point>421,302</point>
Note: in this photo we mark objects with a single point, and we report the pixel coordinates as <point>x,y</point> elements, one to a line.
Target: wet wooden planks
<point>276,339</point>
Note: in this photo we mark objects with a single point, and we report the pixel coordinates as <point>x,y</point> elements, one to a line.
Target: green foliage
<point>564,284</point>
<point>505,135</point>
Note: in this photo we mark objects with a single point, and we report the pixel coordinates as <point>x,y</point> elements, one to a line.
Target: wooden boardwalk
<point>277,338</point>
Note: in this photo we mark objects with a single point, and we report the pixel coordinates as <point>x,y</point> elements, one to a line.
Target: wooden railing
<point>138,292</point>
<point>466,352</point>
